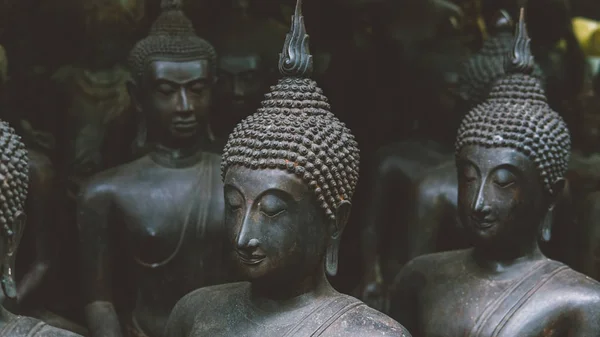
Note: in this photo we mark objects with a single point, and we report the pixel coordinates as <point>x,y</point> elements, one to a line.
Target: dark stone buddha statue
<point>151,230</point>
<point>13,191</point>
<point>512,152</point>
<point>247,47</point>
<point>422,177</point>
<point>432,223</point>
<point>290,171</point>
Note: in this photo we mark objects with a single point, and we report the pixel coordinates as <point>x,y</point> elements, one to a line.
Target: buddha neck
<point>177,157</point>
<point>506,259</point>
<point>290,296</point>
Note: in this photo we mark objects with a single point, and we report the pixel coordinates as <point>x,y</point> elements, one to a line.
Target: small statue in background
<point>247,47</point>
<point>14,176</point>
<point>151,230</point>
<point>98,115</point>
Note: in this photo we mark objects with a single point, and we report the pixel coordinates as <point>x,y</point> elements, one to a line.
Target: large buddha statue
<point>289,171</point>
<point>13,191</point>
<point>247,47</point>
<point>151,230</point>
<point>512,151</point>
<point>432,223</point>
<point>427,175</point>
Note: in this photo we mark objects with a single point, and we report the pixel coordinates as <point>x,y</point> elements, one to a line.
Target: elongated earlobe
<point>335,236</point>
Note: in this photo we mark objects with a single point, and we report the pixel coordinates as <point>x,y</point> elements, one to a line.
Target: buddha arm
<point>403,298</point>
<point>586,320</point>
<point>39,207</point>
<point>93,212</point>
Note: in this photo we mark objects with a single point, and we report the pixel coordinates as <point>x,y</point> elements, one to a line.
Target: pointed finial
<point>520,59</point>
<point>295,60</point>
<point>166,5</point>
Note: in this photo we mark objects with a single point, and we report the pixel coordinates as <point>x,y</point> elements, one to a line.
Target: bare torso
<point>164,228</point>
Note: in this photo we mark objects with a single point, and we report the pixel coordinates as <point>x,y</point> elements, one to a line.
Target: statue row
<point>242,243</point>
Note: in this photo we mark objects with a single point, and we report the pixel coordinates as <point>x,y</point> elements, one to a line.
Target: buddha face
<point>501,197</point>
<point>176,98</point>
<point>241,84</point>
<point>275,224</point>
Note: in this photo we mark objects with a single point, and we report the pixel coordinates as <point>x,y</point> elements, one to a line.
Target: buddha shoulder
<point>209,298</point>
<point>30,327</point>
<point>577,292</point>
<point>363,321</point>
<point>109,182</point>
<point>432,264</point>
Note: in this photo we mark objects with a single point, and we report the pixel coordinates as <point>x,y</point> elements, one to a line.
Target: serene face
<point>177,98</point>
<point>241,84</point>
<point>501,197</point>
<point>278,230</point>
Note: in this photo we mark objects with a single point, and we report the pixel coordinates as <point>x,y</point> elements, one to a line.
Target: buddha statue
<point>432,222</point>
<point>422,177</point>
<point>14,171</point>
<point>512,152</point>
<point>289,172</point>
<point>246,45</point>
<point>151,230</point>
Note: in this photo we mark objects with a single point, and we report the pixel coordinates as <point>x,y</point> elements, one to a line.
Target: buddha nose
<point>246,239</point>
<point>481,207</point>
<point>184,104</point>
<point>238,88</point>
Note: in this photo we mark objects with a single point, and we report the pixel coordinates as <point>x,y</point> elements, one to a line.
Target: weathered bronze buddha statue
<point>511,154</point>
<point>427,174</point>
<point>247,47</point>
<point>289,171</point>
<point>13,191</point>
<point>151,230</point>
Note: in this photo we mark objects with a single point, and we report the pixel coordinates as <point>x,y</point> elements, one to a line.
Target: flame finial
<point>520,60</point>
<point>295,59</point>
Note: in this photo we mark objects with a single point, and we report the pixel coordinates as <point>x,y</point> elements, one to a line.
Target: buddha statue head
<point>512,152</point>
<point>289,171</point>
<point>13,192</point>
<point>247,48</point>
<point>173,73</point>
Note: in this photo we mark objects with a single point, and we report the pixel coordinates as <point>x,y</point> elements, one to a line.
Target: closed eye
<point>272,214</point>
<point>504,184</point>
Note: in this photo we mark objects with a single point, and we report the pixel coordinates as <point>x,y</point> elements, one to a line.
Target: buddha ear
<point>558,192</point>
<point>9,286</point>
<point>342,214</point>
<point>134,94</point>
<point>559,188</point>
<point>18,228</point>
